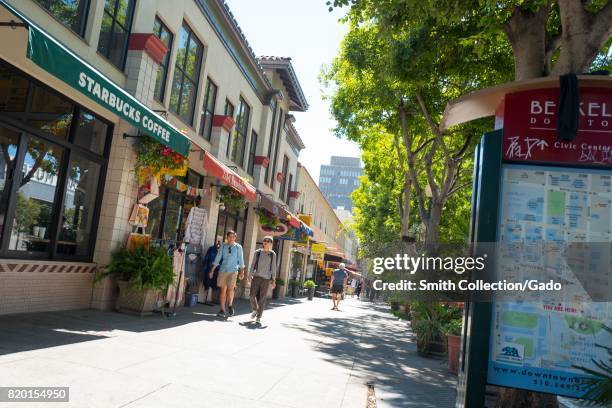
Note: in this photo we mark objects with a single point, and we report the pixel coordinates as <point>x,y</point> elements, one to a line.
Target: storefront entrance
<point>235,221</point>
<point>52,164</point>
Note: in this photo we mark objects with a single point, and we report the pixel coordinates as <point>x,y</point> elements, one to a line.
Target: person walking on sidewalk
<point>229,261</point>
<point>262,274</point>
<point>337,284</point>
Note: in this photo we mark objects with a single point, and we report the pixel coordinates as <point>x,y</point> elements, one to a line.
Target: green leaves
<point>143,268</point>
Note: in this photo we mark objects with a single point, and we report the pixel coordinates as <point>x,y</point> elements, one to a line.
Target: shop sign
<point>62,63</point>
<point>530,128</point>
<point>317,252</point>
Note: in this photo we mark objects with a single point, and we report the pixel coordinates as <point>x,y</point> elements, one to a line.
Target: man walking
<point>262,274</point>
<point>230,261</point>
<point>337,284</point>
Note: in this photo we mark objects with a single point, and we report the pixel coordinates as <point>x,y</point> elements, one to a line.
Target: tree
<point>545,38</point>
<point>393,86</point>
<point>548,37</point>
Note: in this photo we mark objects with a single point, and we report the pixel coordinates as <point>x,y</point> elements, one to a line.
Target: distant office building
<point>339,179</point>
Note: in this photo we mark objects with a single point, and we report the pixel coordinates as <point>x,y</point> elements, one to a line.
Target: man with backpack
<point>262,274</point>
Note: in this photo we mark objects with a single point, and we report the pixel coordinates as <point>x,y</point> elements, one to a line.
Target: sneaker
<point>231,310</point>
<point>258,321</point>
<point>221,313</point>
<point>253,314</point>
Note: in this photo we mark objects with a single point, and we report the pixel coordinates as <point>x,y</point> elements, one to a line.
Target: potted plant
<point>276,291</point>
<point>141,275</point>
<point>426,324</point>
<point>294,284</point>
<point>310,285</point>
<point>453,341</point>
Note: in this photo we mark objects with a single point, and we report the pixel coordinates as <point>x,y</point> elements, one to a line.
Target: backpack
<point>257,260</point>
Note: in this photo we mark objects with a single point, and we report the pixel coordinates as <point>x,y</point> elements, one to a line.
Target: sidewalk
<point>304,355</point>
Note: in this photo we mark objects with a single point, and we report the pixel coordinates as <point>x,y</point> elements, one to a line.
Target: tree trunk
<point>526,32</point>
<point>405,210</point>
<point>432,227</point>
<point>582,36</point>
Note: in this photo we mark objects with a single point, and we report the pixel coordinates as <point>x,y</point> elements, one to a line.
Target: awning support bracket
<point>13,24</point>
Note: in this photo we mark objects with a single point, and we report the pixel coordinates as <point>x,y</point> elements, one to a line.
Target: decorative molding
<point>149,43</point>
<point>47,267</point>
<point>226,122</point>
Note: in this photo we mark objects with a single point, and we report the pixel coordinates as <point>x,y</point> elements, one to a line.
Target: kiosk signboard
<point>544,213</point>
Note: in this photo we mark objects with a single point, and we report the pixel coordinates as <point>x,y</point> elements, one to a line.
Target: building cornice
<point>230,34</point>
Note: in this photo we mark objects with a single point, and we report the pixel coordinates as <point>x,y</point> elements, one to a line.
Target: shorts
<point>337,289</point>
<point>227,279</point>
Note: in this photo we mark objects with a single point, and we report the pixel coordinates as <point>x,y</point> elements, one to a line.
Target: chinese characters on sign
<point>530,128</point>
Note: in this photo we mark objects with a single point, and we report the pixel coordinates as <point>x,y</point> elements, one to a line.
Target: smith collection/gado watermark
<point>519,271</point>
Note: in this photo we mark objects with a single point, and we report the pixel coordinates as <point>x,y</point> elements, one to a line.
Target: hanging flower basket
<point>267,219</point>
<point>232,200</point>
<point>280,229</point>
<point>158,159</point>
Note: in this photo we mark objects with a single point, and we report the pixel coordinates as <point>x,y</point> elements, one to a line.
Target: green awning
<point>53,57</point>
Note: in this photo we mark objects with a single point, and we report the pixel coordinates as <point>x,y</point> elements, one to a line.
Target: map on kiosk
<point>555,223</point>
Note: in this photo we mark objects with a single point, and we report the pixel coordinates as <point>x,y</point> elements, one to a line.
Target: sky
<point>308,33</point>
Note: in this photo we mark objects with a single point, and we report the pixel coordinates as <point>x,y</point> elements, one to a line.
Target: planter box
<point>311,292</point>
<point>136,301</point>
<point>436,349</point>
<point>454,345</point>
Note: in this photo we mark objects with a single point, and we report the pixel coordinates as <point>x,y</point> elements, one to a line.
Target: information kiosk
<point>546,203</point>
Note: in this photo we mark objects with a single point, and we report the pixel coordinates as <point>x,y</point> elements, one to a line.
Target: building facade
<point>339,179</point>
<point>84,85</point>
<point>340,245</point>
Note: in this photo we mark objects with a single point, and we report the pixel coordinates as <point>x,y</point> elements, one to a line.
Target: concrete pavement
<point>304,355</point>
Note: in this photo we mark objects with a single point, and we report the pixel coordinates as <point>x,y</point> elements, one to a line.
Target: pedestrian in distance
<point>338,284</point>
<point>229,262</point>
<point>262,275</point>
<point>358,289</point>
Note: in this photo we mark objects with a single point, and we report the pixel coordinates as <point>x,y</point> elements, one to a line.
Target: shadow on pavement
<point>32,331</point>
<point>382,350</point>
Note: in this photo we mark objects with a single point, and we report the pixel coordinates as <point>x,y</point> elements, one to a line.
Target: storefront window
<point>9,141</point>
<point>72,13</point>
<point>37,190</point>
<point>13,91</point>
<point>79,204</point>
<point>167,214</point>
<point>232,221</point>
<point>50,113</point>
<point>173,214</point>
<point>90,133</point>
<point>50,172</point>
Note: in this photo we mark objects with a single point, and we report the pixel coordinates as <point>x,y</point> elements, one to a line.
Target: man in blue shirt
<point>230,261</point>
<point>337,284</point>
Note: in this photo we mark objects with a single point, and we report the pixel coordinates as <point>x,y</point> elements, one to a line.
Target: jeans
<point>259,294</point>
